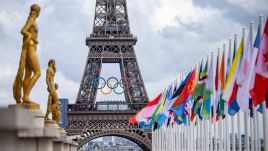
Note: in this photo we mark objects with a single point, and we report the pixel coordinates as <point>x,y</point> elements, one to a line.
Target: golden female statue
<point>28,61</point>
<point>53,101</point>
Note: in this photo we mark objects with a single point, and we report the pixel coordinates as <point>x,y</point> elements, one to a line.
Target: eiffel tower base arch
<point>132,135</point>
<point>92,125</point>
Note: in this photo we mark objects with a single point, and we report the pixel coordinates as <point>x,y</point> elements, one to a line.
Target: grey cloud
<point>64,25</point>
<point>210,30</point>
<point>235,12</point>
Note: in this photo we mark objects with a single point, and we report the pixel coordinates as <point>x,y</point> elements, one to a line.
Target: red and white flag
<point>245,76</point>
<point>260,86</point>
<point>144,114</point>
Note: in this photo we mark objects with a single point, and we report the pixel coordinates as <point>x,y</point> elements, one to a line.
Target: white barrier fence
<point>208,136</point>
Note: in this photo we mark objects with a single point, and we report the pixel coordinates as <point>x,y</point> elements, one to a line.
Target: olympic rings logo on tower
<point>100,83</point>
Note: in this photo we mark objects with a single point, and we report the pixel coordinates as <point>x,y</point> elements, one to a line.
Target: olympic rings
<point>116,85</point>
<point>115,82</point>
<point>106,93</point>
<point>97,80</point>
<point>124,83</point>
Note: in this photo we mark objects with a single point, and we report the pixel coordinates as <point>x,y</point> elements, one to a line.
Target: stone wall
<point>24,130</point>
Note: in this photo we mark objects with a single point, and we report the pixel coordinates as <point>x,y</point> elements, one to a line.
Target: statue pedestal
<point>23,129</point>
<point>63,143</point>
<point>33,106</point>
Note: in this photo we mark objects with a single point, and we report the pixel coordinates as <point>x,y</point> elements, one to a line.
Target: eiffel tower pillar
<point>110,42</point>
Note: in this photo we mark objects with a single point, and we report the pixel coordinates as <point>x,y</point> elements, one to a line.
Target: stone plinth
<point>63,143</point>
<point>24,130</point>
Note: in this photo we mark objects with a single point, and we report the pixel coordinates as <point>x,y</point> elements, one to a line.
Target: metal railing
<point>106,106</point>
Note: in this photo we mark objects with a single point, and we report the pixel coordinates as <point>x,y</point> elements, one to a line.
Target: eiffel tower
<point>110,42</point>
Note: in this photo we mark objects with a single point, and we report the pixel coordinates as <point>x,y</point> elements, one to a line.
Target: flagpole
<point>207,135</point>
<point>207,125</point>
<point>226,116</point>
<point>180,126</point>
<point>265,112</point>
<point>168,137</point>
<point>173,137</point>
<point>176,137</point>
<point>187,142</point>
<point>217,139</point>
<point>153,139</point>
<point>209,119</point>
<point>245,113</point>
<point>255,118</point>
<point>238,114</point>
<point>232,118</point>
<point>190,133</point>
<point>156,140</point>
<point>212,99</point>
<point>220,121</point>
<point>200,126</point>
<point>202,134</point>
<point>180,138</point>
<point>193,135</point>
<point>160,139</point>
<point>204,125</point>
<point>183,136</point>
<point>216,124</point>
<point>197,135</point>
<point>185,125</point>
<point>195,124</point>
<point>164,139</point>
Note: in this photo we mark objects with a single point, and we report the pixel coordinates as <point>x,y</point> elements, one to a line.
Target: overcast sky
<point>173,35</point>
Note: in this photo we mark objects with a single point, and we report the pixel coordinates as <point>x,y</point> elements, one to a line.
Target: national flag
<point>171,120</point>
<point>199,90</point>
<point>245,76</point>
<point>234,51</point>
<point>212,114</point>
<point>179,111</point>
<point>175,86</point>
<point>206,107</point>
<point>178,92</point>
<point>151,121</point>
<point>197,78</point>
<point>160,106</point>
<point>182,84</point>
<point>145,113</point>
<point>230,88</point>
<point>186,91</point>
<point>217,86</point>
<point>260,86</point>
<point>229,61</point>
<point>188,107</point>
<point>165,111</point>
<point>221,82</point>
<point>181,119</point>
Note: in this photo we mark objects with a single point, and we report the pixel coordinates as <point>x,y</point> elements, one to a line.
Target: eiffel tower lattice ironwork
<point>110,42</point>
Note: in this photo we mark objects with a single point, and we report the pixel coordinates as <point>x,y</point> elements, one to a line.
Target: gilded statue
<point>53,101</point>
<point>29,67</point>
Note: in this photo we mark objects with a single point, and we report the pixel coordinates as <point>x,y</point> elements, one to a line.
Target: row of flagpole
<point>225,133</point>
